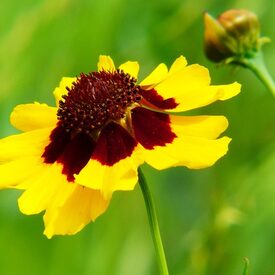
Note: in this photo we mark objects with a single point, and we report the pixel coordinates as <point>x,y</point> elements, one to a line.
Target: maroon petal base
<point>59,140</point>
<point>151,128</point>
<point>114,144</point>
<point>73,153</point>
<point>155,99</point>
<point>76,155</point>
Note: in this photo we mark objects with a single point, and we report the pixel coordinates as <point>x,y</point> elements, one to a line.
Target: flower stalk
<point>153,222</point>
<point>246,266</point>
<point>258,67</point>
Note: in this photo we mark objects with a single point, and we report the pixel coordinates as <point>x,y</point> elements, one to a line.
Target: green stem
<point>257,66</point>
<point>246,265</point>
<point>153,221</point>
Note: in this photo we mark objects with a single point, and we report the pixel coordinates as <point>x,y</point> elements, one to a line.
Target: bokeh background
<point>210,219</point>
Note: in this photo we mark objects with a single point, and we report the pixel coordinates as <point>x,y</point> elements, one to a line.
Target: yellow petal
<point>192,152</point>
<point>184,81</point>
<point>31,143</point>
<point>15,172</point>
<point>69,207</point>
<point>199,126</point>
<point>178,65</point>
<point>61,89</point>
<point>81,206</point>
<point>105,63</point>
<point>27,117</point>
<point>130,67</point>
<point>188,85</point>
<point>121,176</point>
<point>42,191</point>
<point>228,91</point>
<point>203,96</point>
<point>158,74</point>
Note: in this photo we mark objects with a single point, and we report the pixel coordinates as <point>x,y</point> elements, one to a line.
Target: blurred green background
<point>210,219</point>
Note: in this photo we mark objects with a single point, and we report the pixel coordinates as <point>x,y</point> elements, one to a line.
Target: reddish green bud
<point>233,33</point>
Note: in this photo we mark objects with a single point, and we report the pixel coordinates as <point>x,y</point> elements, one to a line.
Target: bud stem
<point>153,221</point>
<point>257,66</point>
<point>246,265</point>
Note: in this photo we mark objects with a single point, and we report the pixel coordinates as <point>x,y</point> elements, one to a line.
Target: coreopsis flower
<point>71,158</point>
<point>234,34</point>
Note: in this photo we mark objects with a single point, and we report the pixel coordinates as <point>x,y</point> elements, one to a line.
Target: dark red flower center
<point>89,125</point>
<point>97,98</point>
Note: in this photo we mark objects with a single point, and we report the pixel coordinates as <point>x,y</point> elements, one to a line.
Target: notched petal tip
<point>105,63</point>
<point>191,152</point>
<point>61,89</point>
<point>130,67</point>
<point>219,150</point>
<point>66,82</point>
<point>82,206</point>
<point>156,76</point>
<point>231,90</point>
<point>178,64</point>
<point>213,151</point>
<point>28,117</point>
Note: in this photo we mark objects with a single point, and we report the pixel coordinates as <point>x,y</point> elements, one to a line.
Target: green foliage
<point>209,219</point>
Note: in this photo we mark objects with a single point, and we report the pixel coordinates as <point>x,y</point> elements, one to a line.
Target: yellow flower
<point>71,158</point>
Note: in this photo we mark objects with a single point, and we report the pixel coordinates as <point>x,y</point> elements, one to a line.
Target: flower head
<point>233,33</point>
<point>71,158</point>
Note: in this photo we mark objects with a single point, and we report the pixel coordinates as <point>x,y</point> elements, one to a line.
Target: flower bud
<point>233,33</point>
